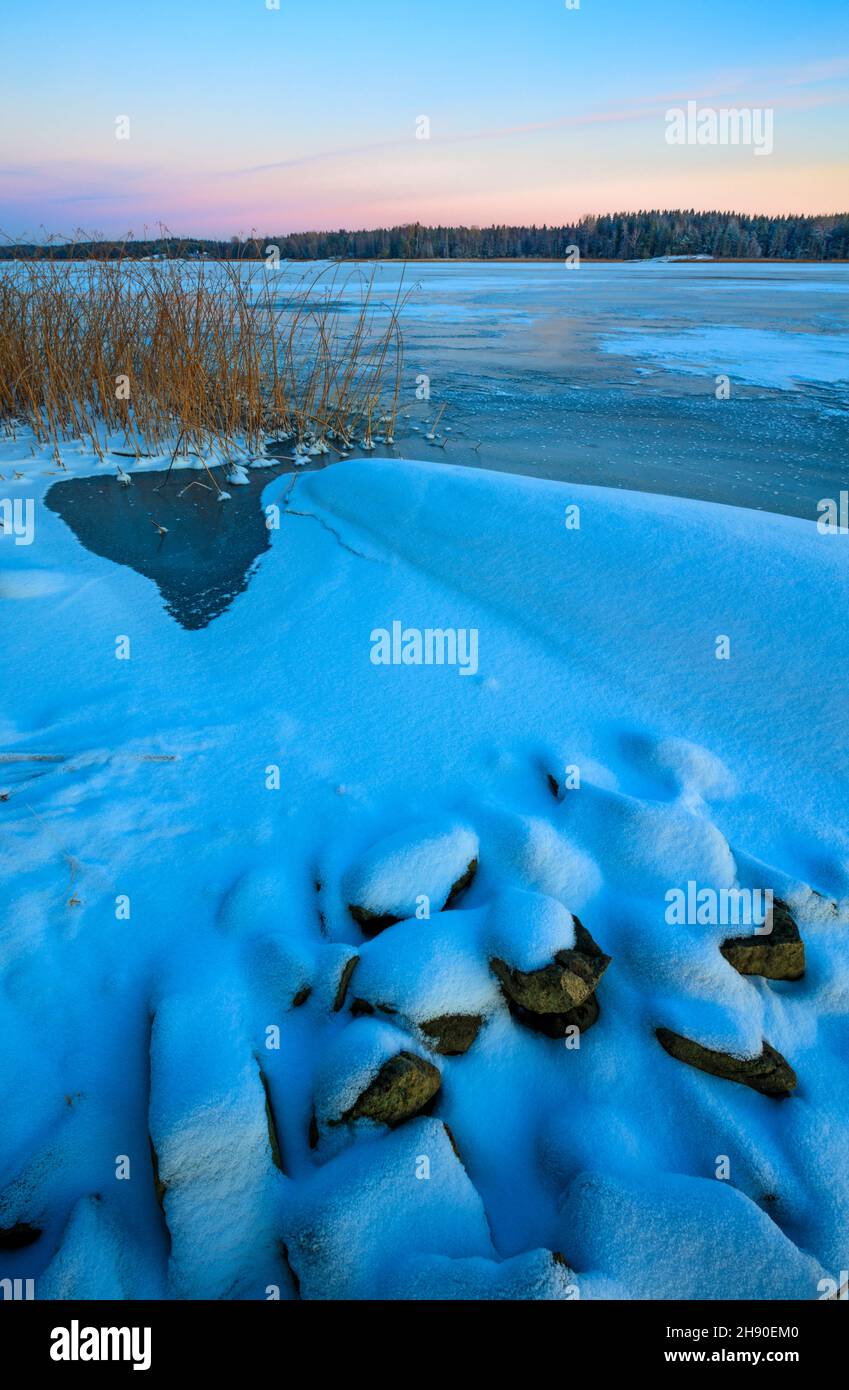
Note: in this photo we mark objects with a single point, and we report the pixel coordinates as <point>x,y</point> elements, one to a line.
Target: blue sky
<point>242,116</point>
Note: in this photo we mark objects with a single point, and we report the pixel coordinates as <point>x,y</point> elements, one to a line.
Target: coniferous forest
<point>614,236</point>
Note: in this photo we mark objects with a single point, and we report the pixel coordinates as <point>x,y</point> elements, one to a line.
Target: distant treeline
<point>617,236</point>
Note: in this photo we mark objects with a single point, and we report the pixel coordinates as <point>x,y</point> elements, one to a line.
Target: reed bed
<point>206,358</point>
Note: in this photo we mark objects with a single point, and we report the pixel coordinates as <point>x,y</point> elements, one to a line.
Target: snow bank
<point>683,1237</point>
<point>210,1135</point>
<point>352,1227</point>
<point>98,1260</point>
<point>212,890</point>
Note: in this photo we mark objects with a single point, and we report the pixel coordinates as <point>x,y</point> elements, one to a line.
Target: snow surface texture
<point>210,1024</point>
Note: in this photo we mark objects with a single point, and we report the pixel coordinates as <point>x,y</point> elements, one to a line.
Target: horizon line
<point>82,237</point>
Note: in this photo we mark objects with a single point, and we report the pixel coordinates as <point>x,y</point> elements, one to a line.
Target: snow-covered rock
<point>372,1072</point>
<point>352,1225</point>
<point>156,864</point>
<point>638,1232</point>
<point>426,863</point>
<point>213,1149</point>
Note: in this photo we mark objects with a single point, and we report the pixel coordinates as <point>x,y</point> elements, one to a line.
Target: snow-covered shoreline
<point>598,616</point>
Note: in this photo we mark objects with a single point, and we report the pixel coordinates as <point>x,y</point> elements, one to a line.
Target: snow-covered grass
<point>177,935</point>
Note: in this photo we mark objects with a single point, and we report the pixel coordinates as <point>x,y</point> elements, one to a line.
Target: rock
<point>271,1123</point>
<point>371,924</point>
<point>159,1186</point>
<point>556,1025</point>
<point>452,1034</point>
<point>460,885</point>
<point>769,1074</point>
<point>779,955</point>
<point>452,1141</point>
<point>344,980</point>
<point>362,1008</point>
<point>560,987</point>
<point>284,1255</point>
<point>403,1087</point>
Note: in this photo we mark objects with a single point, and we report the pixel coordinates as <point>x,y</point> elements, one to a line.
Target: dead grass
<point>197,357</point>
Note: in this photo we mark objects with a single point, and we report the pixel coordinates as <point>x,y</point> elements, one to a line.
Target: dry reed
<point>176,357</point>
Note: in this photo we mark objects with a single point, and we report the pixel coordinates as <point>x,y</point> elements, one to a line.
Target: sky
<point>272,116</point>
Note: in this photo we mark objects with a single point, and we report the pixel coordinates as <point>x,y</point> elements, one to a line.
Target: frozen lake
<point>608,374</point>
<point>604,374</point>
